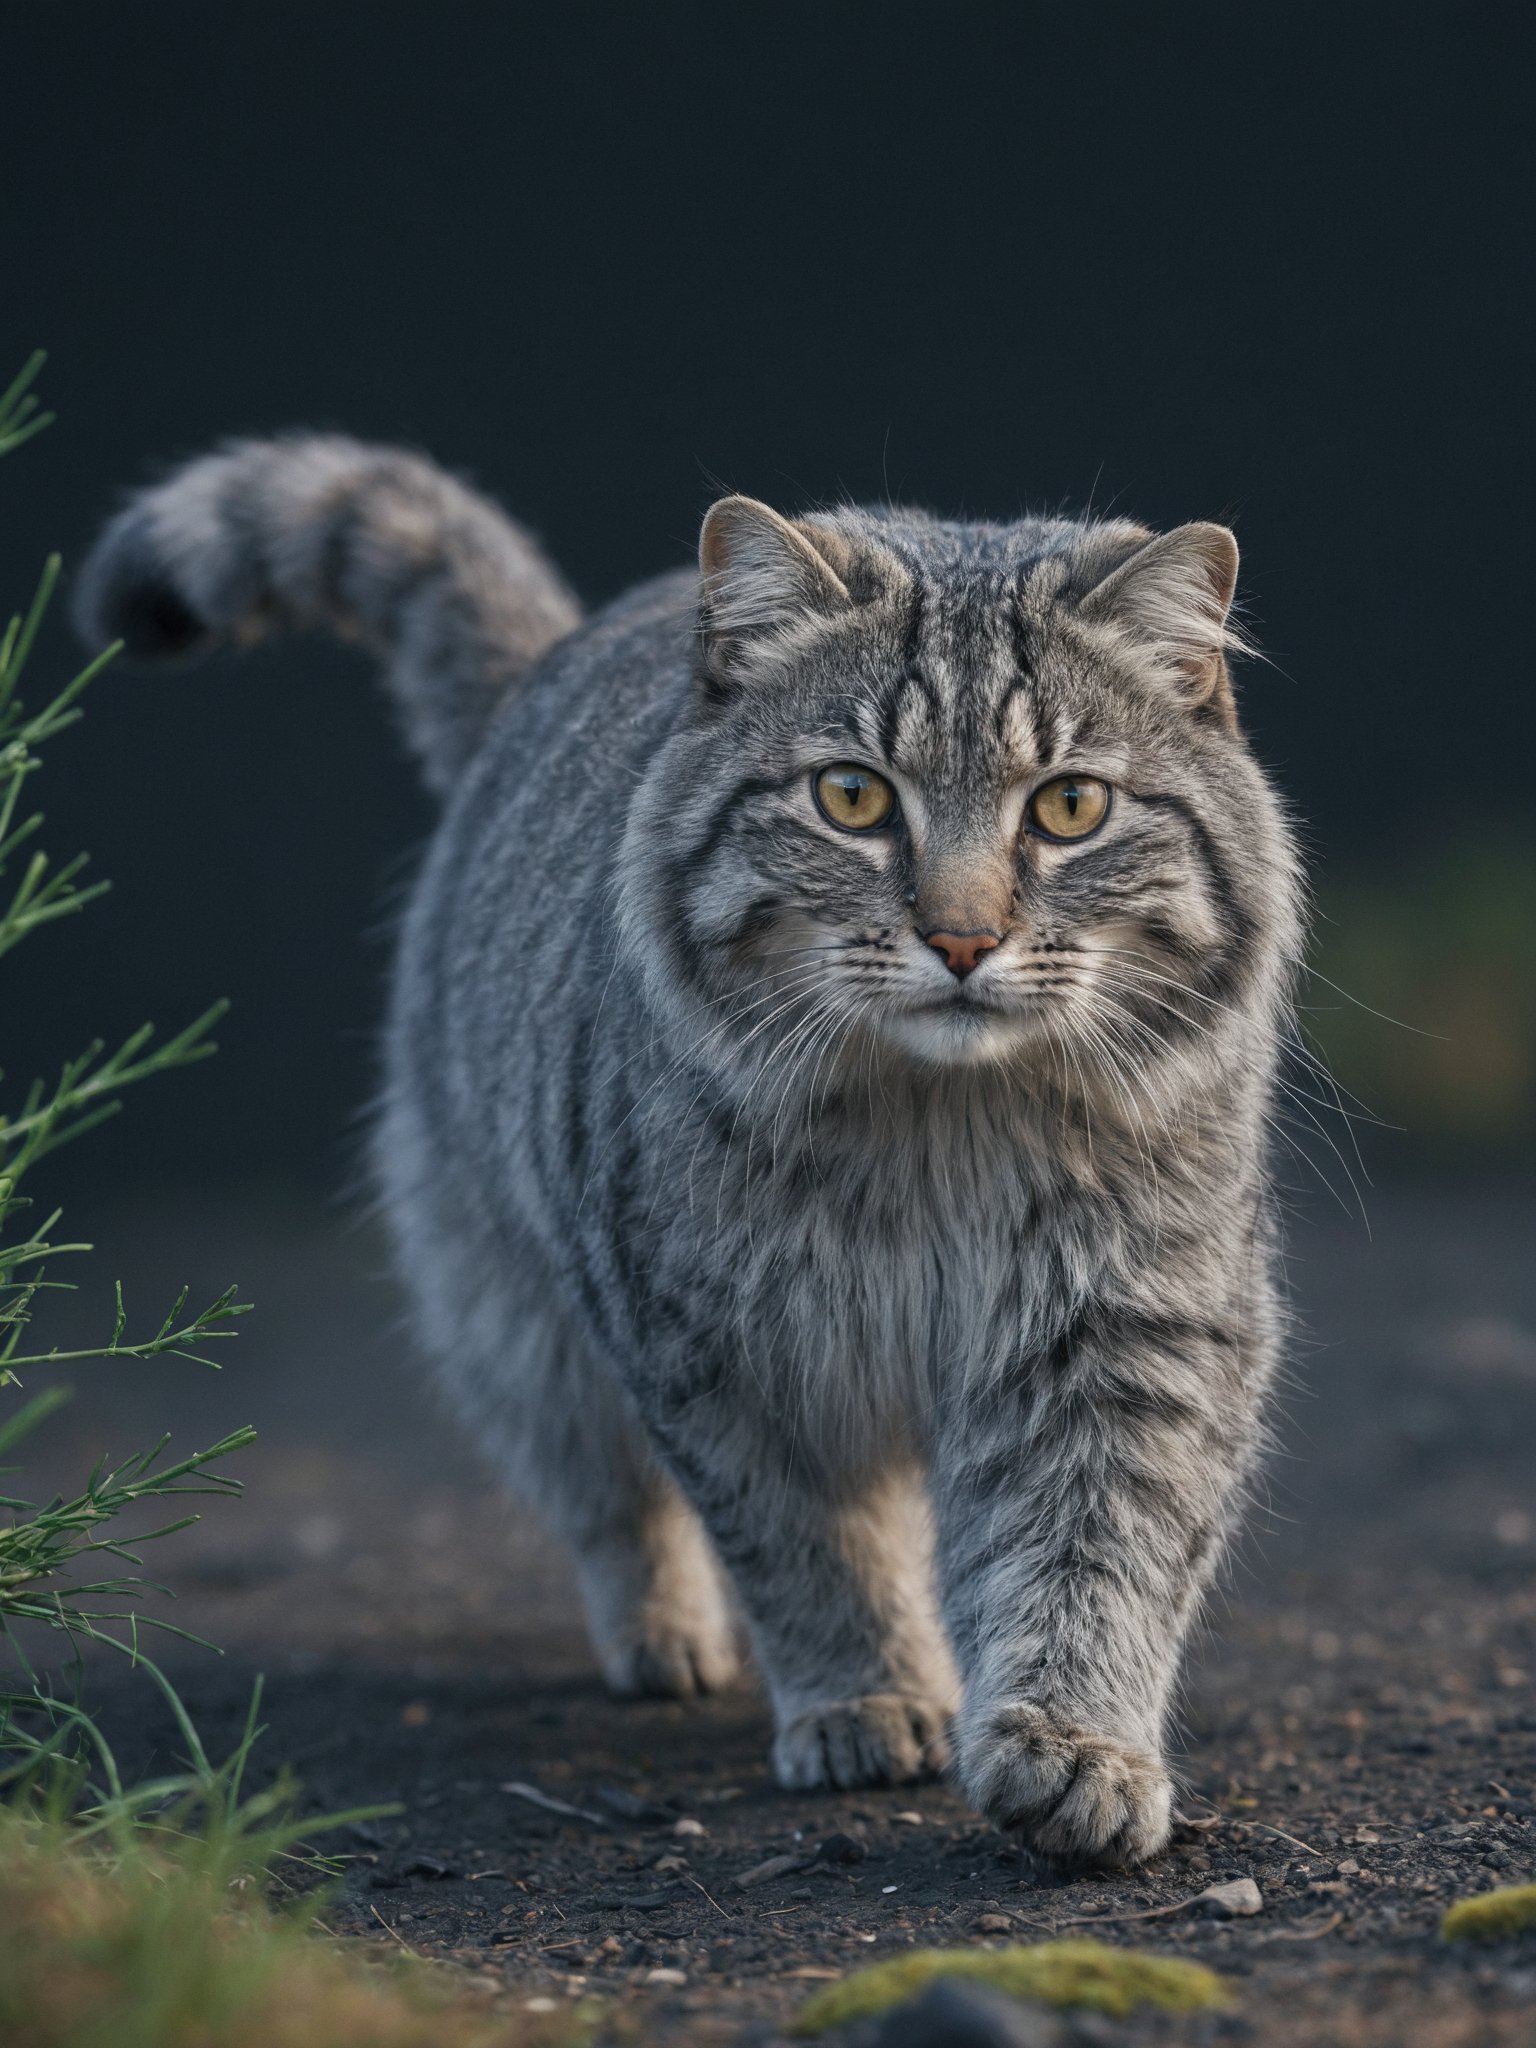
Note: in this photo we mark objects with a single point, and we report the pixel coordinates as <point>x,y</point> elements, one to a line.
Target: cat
<point>824,1120</point>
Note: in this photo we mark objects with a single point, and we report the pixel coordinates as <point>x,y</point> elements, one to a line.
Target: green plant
<point>169,1939</point>
<point>138,1914</point>
<point>53,1555</point>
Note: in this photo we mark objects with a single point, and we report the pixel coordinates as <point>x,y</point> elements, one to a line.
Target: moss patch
<point>1492,1916</point>
<point>1063,1973</point>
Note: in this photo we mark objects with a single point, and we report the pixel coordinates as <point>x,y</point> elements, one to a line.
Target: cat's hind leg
<point>656,1605</point>
<point>564,1432</point>
<point>561,1430</point>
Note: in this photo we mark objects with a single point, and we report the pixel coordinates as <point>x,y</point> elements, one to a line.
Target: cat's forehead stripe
<point>969,695</point>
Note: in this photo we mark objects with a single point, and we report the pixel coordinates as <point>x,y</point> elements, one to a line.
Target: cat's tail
<point>313,529</point>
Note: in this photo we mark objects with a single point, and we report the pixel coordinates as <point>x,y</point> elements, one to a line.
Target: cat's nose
<point>961,950</point>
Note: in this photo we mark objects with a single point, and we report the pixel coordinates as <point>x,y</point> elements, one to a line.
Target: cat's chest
<point>888,1269</point>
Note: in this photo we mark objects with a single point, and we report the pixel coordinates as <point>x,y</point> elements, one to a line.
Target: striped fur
<point>941,1313</point>
<point>374,543</point>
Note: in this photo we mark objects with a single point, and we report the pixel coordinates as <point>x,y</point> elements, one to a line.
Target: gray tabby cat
<point>826,1085</point>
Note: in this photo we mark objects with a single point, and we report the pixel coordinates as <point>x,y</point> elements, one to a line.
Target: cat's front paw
<point>882,1738</point>
<point>1073,1796</point>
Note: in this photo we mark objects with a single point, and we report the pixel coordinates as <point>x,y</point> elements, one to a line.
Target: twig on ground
<point>1236,1901</point>
<point>712,1900</point>
<point>1294,1840</point>
<point>1303,1933</point>
<point>535,1797</point>
<point>1110,1919</point>
<point>393,1932</point>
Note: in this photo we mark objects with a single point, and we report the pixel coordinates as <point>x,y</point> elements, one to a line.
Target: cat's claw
<point>1073,1797</point>
<point>877,1739</point>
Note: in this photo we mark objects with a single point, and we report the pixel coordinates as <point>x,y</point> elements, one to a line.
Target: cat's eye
<point>856,799</point>
<point>1070,807</point>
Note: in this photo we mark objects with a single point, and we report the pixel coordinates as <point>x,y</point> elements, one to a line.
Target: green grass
<point>1060,1973</point>
<point>189,1912</point>
<point>143,1915</point>
<point>168,1941</point>
<point>1492,1916</point>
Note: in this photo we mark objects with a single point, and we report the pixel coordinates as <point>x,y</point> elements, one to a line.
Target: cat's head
<point>978,791</point>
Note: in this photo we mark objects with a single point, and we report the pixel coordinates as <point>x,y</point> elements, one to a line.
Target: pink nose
<point>961,950</point>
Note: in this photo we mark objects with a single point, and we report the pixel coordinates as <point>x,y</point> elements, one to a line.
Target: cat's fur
<point>946,1308</point>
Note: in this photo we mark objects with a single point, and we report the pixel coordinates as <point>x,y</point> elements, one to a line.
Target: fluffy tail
<point>380,545</point>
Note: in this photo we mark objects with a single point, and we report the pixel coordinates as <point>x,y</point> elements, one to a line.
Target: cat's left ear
<point>1175,595</point>
<point>763,577</point>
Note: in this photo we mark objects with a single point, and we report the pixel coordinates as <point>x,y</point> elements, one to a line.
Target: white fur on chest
<point>889,1273</point>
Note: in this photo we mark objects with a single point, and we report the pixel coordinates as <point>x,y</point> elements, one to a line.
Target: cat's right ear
<point>763,581</point>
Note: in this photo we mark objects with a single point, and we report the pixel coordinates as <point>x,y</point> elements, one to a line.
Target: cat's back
<point>540,809</point>
<point>505,947</point>
<point>594,707</point>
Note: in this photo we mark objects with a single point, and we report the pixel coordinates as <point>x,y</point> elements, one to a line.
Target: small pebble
<point>994,1923</point>
<point>676,1978</point>
<point>1234,1901</point>
<point>913,1820</point>
<point>689,1826</point>
<point>539,2005</point>
<point>888,1888</point>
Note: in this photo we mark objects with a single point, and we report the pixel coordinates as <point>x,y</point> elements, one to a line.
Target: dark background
<point>1268,265</point>
<point>1249,261</point>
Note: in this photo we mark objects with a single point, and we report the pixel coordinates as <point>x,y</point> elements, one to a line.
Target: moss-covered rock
<point>1492,1916</point>
<point>1061,1973</point>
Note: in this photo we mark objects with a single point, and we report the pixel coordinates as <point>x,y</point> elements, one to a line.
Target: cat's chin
<point>957,1034</point>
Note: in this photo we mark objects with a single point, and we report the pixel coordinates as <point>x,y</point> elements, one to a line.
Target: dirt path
<point>1360,1733</point>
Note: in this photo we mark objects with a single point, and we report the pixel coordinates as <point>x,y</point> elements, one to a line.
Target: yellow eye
<point>857,799</point>
<point>1070,807</point>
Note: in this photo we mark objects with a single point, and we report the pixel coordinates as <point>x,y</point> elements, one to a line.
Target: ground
<point>1359,1728</point>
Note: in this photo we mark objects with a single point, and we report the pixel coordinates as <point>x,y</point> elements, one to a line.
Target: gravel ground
<point>1359,1735</point>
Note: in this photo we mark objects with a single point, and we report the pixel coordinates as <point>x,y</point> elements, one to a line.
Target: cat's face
<point>978,792</point>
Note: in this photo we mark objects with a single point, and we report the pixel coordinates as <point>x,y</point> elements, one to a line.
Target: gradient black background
<point>1261,264</point>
